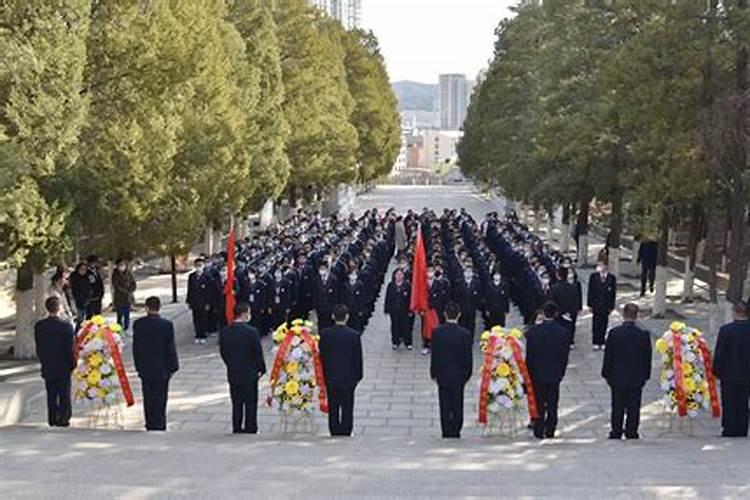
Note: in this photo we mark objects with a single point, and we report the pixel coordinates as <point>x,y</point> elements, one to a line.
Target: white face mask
<point>352,278</point>
<point>122,268</point>
<point>277,276</point>
<point>496,279</point>
<point>468,275</point>
<point>601,269</point>
<point>252,277</point>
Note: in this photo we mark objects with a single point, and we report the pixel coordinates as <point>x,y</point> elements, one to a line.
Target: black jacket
<point>341,355</point>
<point>199,289</point>
<point>627,356</point>
<point>397,298</point>
<point>647,254</point>
<point>451,362</point>
<point>154,350</point>
<point>566,296</point>
<point>547,350</point>
<point>239,345</point>
<point>601,294</point>
<point>732,354</point>
<point>54,347</point>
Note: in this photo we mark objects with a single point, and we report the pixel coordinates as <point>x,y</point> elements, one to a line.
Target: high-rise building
<point>348,12</point>
<point>453,101</point>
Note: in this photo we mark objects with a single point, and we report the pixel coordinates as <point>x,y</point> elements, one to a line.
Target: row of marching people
<point>287,272</point>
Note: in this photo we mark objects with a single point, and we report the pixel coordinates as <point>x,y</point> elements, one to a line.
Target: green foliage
<point>323,143</point>
<point>43,47</point>
<point>376,115</point>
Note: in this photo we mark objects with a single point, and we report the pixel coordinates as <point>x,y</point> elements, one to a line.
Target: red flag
<point>420,289</point>
<point>229,300</point>
<point>420,293</point>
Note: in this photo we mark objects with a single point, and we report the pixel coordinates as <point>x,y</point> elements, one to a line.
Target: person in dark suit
<point>155,356</point>
<point>626,368</point>
<point>601,300</point>
<point>451,368</point>
<point>239,345</point>
<point>566,295</point>
<point>397,302</point>
<point>732,367</point>
<point>54,339</point>
<point>547,350</point>
<point>647,254</point>
<point>341,355</point>
<point>199,299</point>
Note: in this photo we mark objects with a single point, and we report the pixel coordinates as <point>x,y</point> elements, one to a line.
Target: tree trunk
<point>537,221</point>
<point>696,231</point>
<point>660,285</point>
<point>583,231</point>
<point>738,196</point>
<point>616,235</point>
<point>565,229</point>
<point>40,295</point>
<point>23,346</point>
<point>208,244</point>
<point>738,222</point>
<point>712,253</point>
<point>173,265</point>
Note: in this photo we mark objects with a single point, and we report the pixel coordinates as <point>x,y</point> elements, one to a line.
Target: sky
<point>423,38</point>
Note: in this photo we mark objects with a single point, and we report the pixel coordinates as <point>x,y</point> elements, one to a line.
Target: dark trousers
<point>547,399</point>
<point>123,317</point>
<point>200,322</point>
<point>626,401</point>
<point>451,410</point>
<point>94,308</point>
<point>734,406</point>
<point>648,275</point>
<point>325,318</point>
<point>340,410</point>
<point>58,402</point>
<point>599,324</point>
<point>244,407</point>
<point>494,318</point>
<point>401,329</point>
<point>468,320</point>
<point>155,403</point>
<point>570,326</point>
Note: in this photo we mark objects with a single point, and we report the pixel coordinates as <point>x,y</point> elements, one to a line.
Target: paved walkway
<point>396,451</point>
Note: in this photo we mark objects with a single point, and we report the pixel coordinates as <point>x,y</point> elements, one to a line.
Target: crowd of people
<point>331,269</point>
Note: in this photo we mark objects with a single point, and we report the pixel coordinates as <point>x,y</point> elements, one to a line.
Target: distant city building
<point>453,101</point>
<point>420,119</point>
<point>348,12</point>
<point>440,146</point>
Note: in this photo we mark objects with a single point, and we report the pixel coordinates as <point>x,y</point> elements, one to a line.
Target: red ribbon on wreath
<point>486,378</point>
<point>678,376</point>
<point>277,364</point>
<point>114,350</point>
<point>521,362</point>
<point>710,378</point>
<point>319,375</point>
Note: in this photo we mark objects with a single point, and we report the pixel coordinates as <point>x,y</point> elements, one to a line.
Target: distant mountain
<point>415,95</point>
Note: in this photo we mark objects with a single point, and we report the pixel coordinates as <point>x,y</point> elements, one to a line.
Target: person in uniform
<point>496,301</point>
<point>97,286</point>
<point>627,368</point>
<point>341,356</point>
<point>565,295</point>
<point>468,294</point>
<point>54,338</point>
<point>397,303</point>
<point>326,295</point>
<point>451,368</point>
<point>601,300</point>
<point>155,357</point>
<point>123,288</point>
<point>547,351</point>
<point>241,351</point>
<point>732,368</point>
<point>648,251</point>
<point>199,300</point>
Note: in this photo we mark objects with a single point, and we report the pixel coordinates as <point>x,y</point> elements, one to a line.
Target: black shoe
<point>613,435</point>
<point>539,435</point>
<point>549,435</point>
<point>632,436</point>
